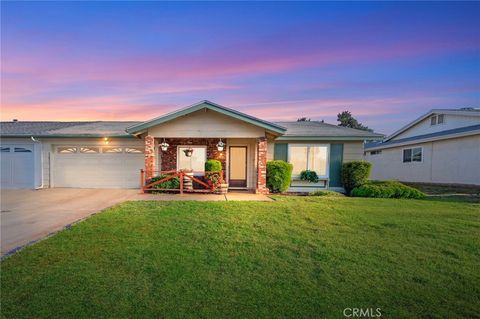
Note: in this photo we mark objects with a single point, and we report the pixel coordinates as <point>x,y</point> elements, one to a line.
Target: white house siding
<point>206,123</point>
<point>452,121</point>
<point>452,161</point>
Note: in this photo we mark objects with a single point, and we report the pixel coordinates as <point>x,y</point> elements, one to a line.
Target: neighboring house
<point>111,154</point>
<point>442,146</point>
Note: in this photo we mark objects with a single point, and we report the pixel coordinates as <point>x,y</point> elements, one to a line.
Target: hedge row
<point>386,189</point>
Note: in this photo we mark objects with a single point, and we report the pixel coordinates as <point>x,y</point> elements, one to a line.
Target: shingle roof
<point>441,134</point>
<point>311,129</point>
<point>320,129</point>
<point>45,129</point>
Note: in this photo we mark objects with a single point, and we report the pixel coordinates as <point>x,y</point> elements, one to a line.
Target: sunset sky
<point>385,62</point>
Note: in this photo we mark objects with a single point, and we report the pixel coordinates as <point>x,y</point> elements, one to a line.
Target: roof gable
<point>269,126</point>
<point>462,111</point>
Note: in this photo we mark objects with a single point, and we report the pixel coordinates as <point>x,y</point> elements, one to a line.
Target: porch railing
<point>148,185</point>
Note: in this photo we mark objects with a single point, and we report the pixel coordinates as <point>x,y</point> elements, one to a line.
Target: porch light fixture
<point>188,152</point>
<point>106,141</point>
<point>220,145</point>
<point>164,146</point>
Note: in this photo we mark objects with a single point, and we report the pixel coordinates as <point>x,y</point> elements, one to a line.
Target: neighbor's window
<point>308,156</point>
<point>196,162</point>
<point>89,150</point>
<point>412,155</point>
<point>5,149</point>
<point>440,118</point>
<point>433,120</point>
<point>66,150</point>
<point>22,150</point>
<point>133,150</point>
<point>375,152</point>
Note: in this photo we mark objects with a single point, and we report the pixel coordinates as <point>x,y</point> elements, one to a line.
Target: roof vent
<point>15,120</point>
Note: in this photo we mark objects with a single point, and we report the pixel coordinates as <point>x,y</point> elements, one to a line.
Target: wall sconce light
<point>106,140</point>
<point>220,145</point>
<point>188,152</point>
<point>164,146</point>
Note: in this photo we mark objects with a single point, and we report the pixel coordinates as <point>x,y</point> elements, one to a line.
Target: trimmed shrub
<point>172,183</point>
<point>355,174</point>
<point>326,193</point>
<point>212,172</point>
<point>309,176</point>
<point>279,176</point>
<point>386,189</point>
<point>213,166</point>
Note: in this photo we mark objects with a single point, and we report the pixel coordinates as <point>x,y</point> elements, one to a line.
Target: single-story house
<point>107,154</point>
<point>442,146</point>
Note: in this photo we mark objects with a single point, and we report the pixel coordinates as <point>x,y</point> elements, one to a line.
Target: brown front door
<point>238,166</point>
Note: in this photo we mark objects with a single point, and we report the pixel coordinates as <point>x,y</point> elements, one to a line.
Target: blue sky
<point>385,62</point>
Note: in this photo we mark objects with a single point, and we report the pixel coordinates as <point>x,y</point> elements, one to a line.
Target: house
<point>103,154</point>
<point>442,146</point>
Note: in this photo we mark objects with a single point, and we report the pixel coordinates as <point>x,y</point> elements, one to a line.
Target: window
<point>375,152</point>
<point>66,150</point>
<point>437,119</point>
<point>308,156</point>
<point>112,150</point>
<point>440,118</point>
<point>22,150</point>
<point>196,162</point>
<point>5,149</point>
<point>412,155</point>
<point>89,150</point>
<point>133,150</point>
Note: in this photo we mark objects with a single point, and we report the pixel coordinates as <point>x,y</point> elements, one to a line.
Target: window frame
<point>309,145</point>
<point>433,120</point>
<point>195,173</point>
<point>411,159</point>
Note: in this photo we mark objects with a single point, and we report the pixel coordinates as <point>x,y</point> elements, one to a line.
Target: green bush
<point>213,166</point>
<point>173,183</point>
<point>308,175</point>
<point>279,176</point>
<point>355,174</point>
<point>386,189</point>
<point>325,193</point>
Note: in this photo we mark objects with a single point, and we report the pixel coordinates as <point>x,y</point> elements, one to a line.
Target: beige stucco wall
<point>352,151</point>
<point>206,123</point>
<point>455,161</point>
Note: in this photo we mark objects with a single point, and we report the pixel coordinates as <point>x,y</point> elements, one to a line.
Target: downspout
<point>41,163</point>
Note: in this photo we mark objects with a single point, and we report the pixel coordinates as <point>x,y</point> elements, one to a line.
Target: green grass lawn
<point>297,257</point>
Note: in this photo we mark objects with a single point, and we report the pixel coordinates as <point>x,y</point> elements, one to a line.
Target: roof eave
<point>325,137</point>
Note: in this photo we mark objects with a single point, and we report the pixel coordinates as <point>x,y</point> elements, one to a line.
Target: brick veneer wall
<point>169,157</point>
<point>149,156</point>
<point>262,166</point>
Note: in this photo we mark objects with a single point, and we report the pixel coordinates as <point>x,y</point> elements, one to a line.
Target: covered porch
<point>186,139</point>
<point>243,160</point>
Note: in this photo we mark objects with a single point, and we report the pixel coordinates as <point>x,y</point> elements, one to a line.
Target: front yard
<point>297,257</point>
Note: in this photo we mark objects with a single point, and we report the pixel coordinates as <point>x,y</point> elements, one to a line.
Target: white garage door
<point>97,167</point>
<point>17,166</point>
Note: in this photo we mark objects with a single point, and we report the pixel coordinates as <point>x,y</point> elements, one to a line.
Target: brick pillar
<point>261,166</point>
<point>149,156</point>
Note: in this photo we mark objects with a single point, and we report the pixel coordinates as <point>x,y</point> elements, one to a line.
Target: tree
<point>303,119</point>
<point>346,119</point>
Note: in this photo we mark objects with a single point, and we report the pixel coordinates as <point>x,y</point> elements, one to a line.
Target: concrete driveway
<point>29,215</point>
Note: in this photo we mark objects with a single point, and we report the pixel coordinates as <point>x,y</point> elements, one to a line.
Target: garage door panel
<point>17,166</point>
<point>117,170</point>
